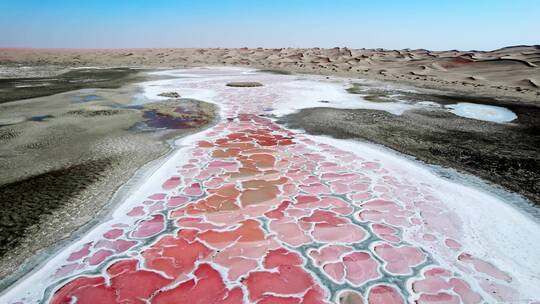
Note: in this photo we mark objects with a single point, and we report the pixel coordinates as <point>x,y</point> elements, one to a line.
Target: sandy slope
<point>509,72</point>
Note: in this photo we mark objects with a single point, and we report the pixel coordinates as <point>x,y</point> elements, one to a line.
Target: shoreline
<point>40,258</point>
<point>520,203</point>
<point>127,188</point>
<point>125,195</point>
<point>473,215</point>
<point>75,214</point>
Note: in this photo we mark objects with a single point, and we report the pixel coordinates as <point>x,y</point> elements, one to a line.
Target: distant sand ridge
<point>511,71</point>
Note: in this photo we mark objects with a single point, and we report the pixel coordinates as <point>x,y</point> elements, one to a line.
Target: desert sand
<point>511,72</point>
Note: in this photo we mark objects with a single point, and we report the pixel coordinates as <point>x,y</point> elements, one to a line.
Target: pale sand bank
<point>511,72</point>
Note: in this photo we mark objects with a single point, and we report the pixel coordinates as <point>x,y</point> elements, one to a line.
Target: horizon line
<point>254,48</point>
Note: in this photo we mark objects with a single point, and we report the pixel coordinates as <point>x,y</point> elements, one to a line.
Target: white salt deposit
<point>495,230</point>
<point>482,112</point>
<point>300,94</point>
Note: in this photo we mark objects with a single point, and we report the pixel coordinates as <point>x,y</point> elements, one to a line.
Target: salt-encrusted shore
<point>62,157</point>
<point>249,211</point>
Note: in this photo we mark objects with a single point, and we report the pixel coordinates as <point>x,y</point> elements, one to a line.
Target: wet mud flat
<point>63,156</point>
<point>507,154</point>
<point>30,87</point>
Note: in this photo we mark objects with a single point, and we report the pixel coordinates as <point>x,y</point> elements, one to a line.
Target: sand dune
<point>506,72</point>
<point>531,83</point>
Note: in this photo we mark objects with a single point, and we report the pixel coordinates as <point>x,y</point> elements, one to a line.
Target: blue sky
<point>432,24</point>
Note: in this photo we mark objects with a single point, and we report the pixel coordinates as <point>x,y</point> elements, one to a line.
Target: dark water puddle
<point>41,117</point>
<point>182,110</point>
<point>134,107</point>
<point>88,98</point>
<point>160,120</point>
<point>24,88</point>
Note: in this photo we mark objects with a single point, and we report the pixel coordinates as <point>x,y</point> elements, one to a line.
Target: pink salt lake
<point>251,212</point>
